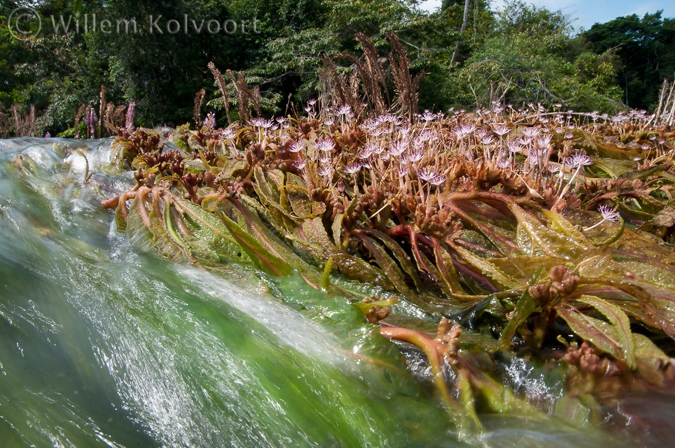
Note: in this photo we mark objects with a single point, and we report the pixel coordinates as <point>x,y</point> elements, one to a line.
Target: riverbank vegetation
<point>540,236</point>
<point>470,54</point>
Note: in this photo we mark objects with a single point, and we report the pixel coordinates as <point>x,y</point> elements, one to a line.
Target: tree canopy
<point>470,54</point>
<point>646,49</point>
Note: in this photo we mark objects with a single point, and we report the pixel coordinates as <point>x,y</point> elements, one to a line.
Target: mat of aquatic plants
<point>518,263</point>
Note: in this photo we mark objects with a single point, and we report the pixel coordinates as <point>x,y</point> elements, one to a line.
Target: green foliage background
<point>520,55</point>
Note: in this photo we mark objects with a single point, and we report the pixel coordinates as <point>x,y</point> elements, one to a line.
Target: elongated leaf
<point>249,219</point>
<point>277,211</point>
<point>280,222</point>
<point>496,396</point>
<point>146,230</point>
<point>261,255</point>
<point>523,268</point>
<point>571,409</point>
<point>325,277</point>
<point>599,263</point>
<point>548,241</point>
<point>524,308</point>
<point>387,264</point>
<point>597,332</point>
<point>620,322</point>
<point>336,228</point>
<point>301,205</point>
<point>446,268</point>
<point>399,254</point>
<point>651,361</point>
<point>175,237</point>
<point>266,190</point>
<point>488,269</point>
<point>365,307</point>
<point>562,224</point>
<point>466,396</point>
<point>120,220</point>
<point>312,237</point>
<point>233,166</point>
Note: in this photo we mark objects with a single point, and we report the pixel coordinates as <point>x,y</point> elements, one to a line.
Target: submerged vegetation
<point>494,237</point>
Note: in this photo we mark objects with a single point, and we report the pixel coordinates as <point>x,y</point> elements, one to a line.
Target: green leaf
<point>313,238</point>
<point>365,307</point>
<point>387,264</point>
<point>535,239</point>
<point>296,192</point>
<point>171,231</point>
<point>336,228</point>
<point>571,409</point>
<point>446,269</point>
<point>597,332</point>
<point>561,224</point>
<point>651,361</point>
<point>620,322</point>
<point>325,277</point>
<point>120,220</point>
<point>399,254</point>
<point>488,269</point>
<point>269,195</point>
<point>524,308</point>
<point>261,255</point>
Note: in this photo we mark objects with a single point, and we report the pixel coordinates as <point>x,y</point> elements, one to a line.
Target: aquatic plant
<point>499,236</point>
<point>524,234</point>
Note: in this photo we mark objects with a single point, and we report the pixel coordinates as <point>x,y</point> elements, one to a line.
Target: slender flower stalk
<point>608,214</point>
<point>577,161</point>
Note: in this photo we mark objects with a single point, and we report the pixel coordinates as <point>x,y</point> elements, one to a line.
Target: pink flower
<point>325,145</point>
<point>415,155</point>
<point>353,168</point>
<point>578,160</point>
<point>426,174</point>
<point>296,147</point>
<point>501,130</point>
<point>608,214</point>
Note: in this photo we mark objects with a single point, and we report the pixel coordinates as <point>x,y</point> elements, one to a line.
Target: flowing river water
<point>102,344</point>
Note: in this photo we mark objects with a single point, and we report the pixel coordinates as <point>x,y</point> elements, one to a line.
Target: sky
<point>588,12</point>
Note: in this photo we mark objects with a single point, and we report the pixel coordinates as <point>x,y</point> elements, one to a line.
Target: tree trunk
<point>465,19</point>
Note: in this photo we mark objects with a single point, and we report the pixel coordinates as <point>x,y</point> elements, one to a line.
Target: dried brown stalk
<point>665,111</point>
<point>405,86</point>
<point>339,88</point>
<point>222,86</point>
<point>24,124</point>
<point>4,123</point>
<point>244,95</point>
<point>199,99</point>
<point>78,117</point>
<point>118,116</point>
<point>102,110</point>
<point>371,71</point>
<point>372,74</point>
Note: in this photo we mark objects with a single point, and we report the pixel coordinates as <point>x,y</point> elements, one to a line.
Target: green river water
<point>102,344</point>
